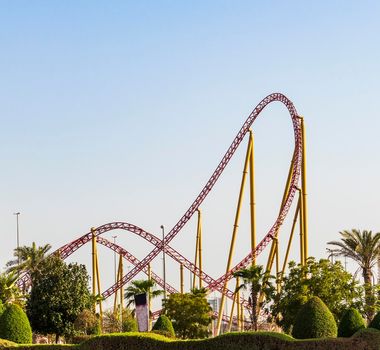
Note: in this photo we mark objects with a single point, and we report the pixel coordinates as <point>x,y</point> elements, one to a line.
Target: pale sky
<point>121,111</point>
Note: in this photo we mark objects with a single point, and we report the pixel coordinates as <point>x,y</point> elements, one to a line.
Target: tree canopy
<point>190,314</point>
<point>59,293</point>
<point>261,289</point>
<point>330,282</point>
<point>364,249</point>
<point>27,258</point>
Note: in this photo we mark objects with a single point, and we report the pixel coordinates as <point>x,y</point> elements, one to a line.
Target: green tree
<point>14,325</point>
<point>87,322</point>
<point>329,281</point>
<point>113,324</point>
<point>163,324</point>
<point>27,258</point>
<point>314,320</point>
<point>351,322</point>
<point>261,289</point>
<point>364,249</point>
<point>375,323</point>
<point>9,292</point>
<point>140,287</point>
<point>190,314</point>
<point>59,293</point>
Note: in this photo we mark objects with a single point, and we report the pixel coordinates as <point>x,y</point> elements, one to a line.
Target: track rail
<point>218,284</point>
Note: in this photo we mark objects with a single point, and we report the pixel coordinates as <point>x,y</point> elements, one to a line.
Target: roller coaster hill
<point>293,204</point>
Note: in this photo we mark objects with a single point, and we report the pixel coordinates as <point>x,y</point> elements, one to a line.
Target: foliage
<point>112,323</point>
<point>9,292</point>
<point>190,314</point>
<point>87,322</point>
<point>14,325</point>
<point>367,339</point>
<point>350,323</point>
<point>6,343</point>
<point>140,287</point>
<point>27,258</point>
<point>129,323</point>
<point>375,323</point>
<point>59,293</point>
<point>164,324</point>
<point>260,287</point>
<point>314,320</point>
<point>364,248</point>
<point>329,281</point>
<point>2,308</point>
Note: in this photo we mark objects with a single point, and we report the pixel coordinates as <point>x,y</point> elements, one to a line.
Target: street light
<point>18,238</point>
<point>163,258</point>
<point>114,257</point>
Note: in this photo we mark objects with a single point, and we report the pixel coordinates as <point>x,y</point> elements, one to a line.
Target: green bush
<point>164,324</point>
<point>350,323</point>
<point>129,324</point>
<point>314,320</point>
<point>15,326</point>
<point>1,308</point>
<point>375,323</point>
<point>5,343</point>
<point>365,339</point>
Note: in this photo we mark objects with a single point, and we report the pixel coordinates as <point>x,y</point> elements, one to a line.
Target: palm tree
<point>258,282</point>
<point>140,287</point>
<point>364,248</point>
<point>9,292</point>
<point>27,258</point>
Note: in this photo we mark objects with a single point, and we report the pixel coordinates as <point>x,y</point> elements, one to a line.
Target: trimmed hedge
<point>163,324</point>
<point>15,326</point>
<point>350,323</point>
<point>314,320</point>
<point>375,323</point>
<point>367,339</point>
<point>6,343</point>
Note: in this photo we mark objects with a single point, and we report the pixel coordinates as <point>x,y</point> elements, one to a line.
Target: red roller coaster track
<point>212,284</point>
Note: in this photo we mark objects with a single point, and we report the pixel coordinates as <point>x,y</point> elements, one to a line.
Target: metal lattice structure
<point>210,283</point>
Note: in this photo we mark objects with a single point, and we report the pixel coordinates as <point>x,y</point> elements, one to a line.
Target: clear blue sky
<point>121,110</point>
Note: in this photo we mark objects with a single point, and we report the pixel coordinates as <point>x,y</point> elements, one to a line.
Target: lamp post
<point>163,258</point>
<point>18,238</point>
<point>114,258</point>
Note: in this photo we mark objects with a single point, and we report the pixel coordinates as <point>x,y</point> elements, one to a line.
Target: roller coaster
<point>295,187</point>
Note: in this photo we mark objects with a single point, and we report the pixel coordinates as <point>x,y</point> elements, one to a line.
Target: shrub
<point>375,323</point>
<point>6,343</point>
<point>129,324</point>
<point>314,320</point>
<point>164,324</point>
<point>15,326</point>
<point>350,323</point>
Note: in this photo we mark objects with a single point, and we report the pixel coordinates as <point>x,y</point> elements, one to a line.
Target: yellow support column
<point>252,194</point>
<point>242,318</point>
<point>121,273</point>
<point>277,266</point>
<point>200,246</point>
<point>196,258</point>
<point>93,241</point>
<point>181,278</point>
<point>234,233</point>
<point>238,306</point>
<point>232,314</point>
<point>304,191</point>
<point>149,301</point>
<point>290,238</point>
<point>302,244</point>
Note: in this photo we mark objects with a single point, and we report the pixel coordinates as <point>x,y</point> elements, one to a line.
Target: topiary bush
<point>314,320</point>
<point>164,324</point>
<point>350,323</point>
<point>15,326</point>
<point>375,323</point>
